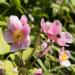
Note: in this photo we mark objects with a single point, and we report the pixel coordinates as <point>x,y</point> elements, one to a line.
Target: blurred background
<point>63,10</point>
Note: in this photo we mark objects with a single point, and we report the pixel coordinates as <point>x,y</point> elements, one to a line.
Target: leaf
<point>8,67</point>
<point>4,47</point>
<point>2,1</point>
<point>73,2</point>
<point>17,3</point>
<point>25,56</point>
<point>2,23</point>
<point>56,8</point>
<point>65,8</point>
<point>27,53</point>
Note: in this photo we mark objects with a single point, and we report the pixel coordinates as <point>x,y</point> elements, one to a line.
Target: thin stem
<point>35,47</point>
<point>41,64</point>
<point>59,67</point>
<point>73,10</point>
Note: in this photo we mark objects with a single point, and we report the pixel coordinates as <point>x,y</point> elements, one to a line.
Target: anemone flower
<point>38,72</point>
<point>64,55</point>
<point>54,32</point>
<point>17,33</point>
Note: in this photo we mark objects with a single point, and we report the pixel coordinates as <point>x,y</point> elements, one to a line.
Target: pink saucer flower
<point>64,56</point>
<point>54,32</point>
<point>17,33</point>
<point>45,48</point>
<point>38,72</point>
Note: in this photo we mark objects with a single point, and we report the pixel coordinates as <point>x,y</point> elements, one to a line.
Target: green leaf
<point>2,23</point>
<point>25,56</point>
<point>8,67</point>
<point>73,2</point>
<point>65,8</point>
<point>4,47</point>
<point>56,8</point>
<point>2,1</point>
<point>27,53</point>
<point>17,3</point>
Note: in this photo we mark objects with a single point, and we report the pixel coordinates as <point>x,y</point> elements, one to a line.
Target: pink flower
<point>38,72</point>
<point>54,32</point>
<point>64,56</point>
<point>44,45</point>
<point>17,33</point>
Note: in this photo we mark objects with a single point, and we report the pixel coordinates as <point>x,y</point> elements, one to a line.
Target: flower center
<point>18,36</point>
<point>64,56</point>
<point>58,35</point>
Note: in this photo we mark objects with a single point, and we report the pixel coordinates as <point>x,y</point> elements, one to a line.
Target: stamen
<point>18,35</point>
<point>64,56</point>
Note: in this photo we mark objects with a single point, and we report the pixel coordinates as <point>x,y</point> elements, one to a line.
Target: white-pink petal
<point>68,53</point>
<point>8,36</point>
<point>61,42</point>
<point>44,45</point>
<point>66,37</point>
<point>15,47</point>
<point>14,23</point>
<point>22,45</point>
<point>45,26</point>
<point>38,72</point>
<point>25,43</point>
<point>65,63</point>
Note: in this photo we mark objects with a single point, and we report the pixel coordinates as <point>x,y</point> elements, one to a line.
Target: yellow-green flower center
<point>64,57</point>
<point>18,36</point>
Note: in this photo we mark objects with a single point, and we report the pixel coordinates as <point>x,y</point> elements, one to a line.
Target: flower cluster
<point>17,35</point>
<point>54,32</point>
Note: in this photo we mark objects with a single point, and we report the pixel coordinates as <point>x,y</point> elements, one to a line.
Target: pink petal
<point>8,36</point>
<point>24,20</point>
<point>21,45</point>
<point>55,27</point>
<point>67,37</point>
<point>26,30</point>
<point>61,42</point>
<point>61,52</point>
<point>45,26</point>
<point>26,43</point>
<point>62,49</point>
<point>15,47</point>
<point>68,53</point>
<point>44,45</point>
<point>52,37</point>
<point>38,72</point>
<point>14,23</point>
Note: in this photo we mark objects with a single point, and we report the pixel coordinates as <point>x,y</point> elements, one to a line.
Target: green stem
<point>41,64</point>
<point>73,10</point>
<point>21,53</point>
<point>35,47</point>
<point>59,67</point>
